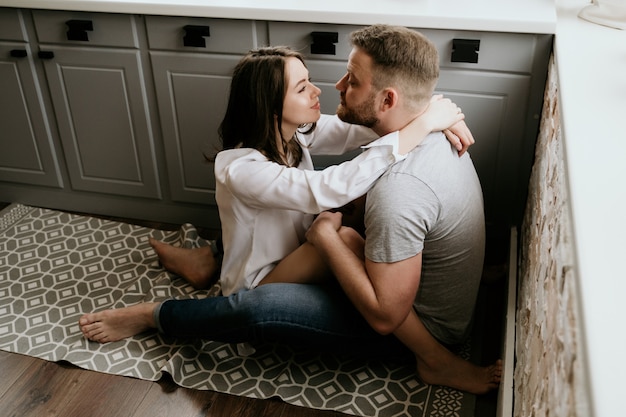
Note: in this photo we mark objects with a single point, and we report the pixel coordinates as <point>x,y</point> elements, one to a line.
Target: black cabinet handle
<point>19,53</point>
<point>194,35</point>
<point>324,43</point>
<point>465,50</point>
<point>78,30</point>
<point>45,54</point>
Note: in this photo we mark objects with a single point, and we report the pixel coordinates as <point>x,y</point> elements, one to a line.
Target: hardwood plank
<point>12,366</point>
<point>165,398</point>
<point>104,395</point>
<point>37,387</point>
<point>49,388</point>
<point>43,388</point>
<point>230,405</point>
<point>271,408</point>
<point>226,405</point>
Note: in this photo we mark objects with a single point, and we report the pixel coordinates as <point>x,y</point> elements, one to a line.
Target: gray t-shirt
<point>432,203</point>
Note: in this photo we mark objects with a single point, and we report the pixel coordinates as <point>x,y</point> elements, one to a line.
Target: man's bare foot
<point>113,325</point>
<point>197,265</point>
<point>463,375</point>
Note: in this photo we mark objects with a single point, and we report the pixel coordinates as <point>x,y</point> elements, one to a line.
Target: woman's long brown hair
<point>257,94</point>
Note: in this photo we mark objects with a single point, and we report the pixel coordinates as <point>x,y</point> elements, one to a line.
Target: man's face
<point>358,98</point>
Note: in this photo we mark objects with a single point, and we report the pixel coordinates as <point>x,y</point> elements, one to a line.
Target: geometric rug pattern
<point>55,266</point>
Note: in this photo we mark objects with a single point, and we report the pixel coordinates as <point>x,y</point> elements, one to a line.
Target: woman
<point>267,189</point>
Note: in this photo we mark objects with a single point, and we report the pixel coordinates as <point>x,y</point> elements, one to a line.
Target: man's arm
<point>382,292</point>
<point>386,305</point>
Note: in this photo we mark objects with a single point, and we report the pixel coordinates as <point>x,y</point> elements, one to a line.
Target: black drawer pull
<point>45,54</point>
<point>78,30</point>
<point>194,35</point>
<point>465,50</point>
<point>324,43</point>
<point>19,53</point>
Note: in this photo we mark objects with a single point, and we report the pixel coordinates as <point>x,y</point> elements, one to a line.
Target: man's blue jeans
<point>313,316</point>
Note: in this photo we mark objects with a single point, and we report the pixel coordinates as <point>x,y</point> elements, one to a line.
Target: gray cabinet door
<point>192,94</point>
<point>26,151</point>
<point>495,106</point>
<point>103,121</point>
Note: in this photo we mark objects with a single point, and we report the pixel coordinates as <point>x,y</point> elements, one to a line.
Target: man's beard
<point>363,114</point>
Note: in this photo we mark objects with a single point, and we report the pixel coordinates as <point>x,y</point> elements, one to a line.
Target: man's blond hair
<point>403,58</point>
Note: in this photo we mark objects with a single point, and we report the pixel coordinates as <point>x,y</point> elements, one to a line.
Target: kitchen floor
<point>35,387</point>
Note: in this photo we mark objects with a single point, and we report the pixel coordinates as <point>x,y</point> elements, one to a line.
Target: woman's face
<point>301,104</point>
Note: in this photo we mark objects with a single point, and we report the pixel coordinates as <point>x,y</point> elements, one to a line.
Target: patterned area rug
<point>55,266</point>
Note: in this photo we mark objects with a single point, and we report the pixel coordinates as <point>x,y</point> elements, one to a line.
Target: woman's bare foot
<point>197,265</point>
<point>113,325</point>
<point>463,375</point>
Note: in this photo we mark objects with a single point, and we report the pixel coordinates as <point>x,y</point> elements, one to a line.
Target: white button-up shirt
<point>265,208</point>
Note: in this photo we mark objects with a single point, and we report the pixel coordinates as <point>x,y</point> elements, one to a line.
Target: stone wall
<point>548,377</point>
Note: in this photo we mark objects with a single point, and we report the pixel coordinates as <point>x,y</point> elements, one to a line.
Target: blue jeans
<point>313,316</point>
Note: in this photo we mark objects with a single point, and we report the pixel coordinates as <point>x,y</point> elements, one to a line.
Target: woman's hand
<point>440,114</point>
<point>458,133</point>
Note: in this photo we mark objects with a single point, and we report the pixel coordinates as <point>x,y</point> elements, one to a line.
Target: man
<point>424,219</point>
<point>391,76</point>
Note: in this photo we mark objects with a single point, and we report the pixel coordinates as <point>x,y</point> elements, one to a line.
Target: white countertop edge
<point>531,16</point>
<point>591,63</point>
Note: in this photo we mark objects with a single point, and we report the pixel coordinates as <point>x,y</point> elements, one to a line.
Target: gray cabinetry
<point>192,62</point>
<point>115,114</point>
<point>94,72</point>
<point>27,154</point>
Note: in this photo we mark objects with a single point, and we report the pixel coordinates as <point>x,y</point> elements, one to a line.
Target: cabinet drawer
<point>204,35</point>
<point>496,51</point>
<point>314,40</point>
<point>81,28</point>
<point>11,28</point>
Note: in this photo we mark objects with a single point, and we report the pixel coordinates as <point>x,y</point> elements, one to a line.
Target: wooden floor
<point>35,387</point>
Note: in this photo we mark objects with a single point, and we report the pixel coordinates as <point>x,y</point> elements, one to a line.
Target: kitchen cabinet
<point>192,62</point>
<point>95,77</point>
<point>27,155</point>
<point>117,113</point>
